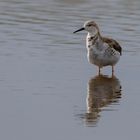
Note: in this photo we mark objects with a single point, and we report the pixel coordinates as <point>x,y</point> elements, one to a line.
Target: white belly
<point>101,58</point>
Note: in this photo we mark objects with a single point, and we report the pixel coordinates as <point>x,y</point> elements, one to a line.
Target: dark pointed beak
<point>79,30</point>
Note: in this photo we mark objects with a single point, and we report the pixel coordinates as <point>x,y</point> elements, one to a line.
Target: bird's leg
<point>99,70</point>
<point>112,71</point>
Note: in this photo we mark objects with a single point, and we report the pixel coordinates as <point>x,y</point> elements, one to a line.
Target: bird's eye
<point>89,25</point>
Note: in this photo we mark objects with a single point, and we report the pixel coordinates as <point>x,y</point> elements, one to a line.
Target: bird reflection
<point>102,91</point>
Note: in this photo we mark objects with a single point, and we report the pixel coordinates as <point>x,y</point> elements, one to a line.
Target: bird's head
<point>89,26</point>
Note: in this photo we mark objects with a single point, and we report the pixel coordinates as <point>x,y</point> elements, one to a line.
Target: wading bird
<point>101,51</point>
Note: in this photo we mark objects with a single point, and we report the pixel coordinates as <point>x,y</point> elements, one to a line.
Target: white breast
<point>101,54</point>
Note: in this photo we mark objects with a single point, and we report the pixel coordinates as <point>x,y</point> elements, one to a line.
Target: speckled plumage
<point>101,51</point>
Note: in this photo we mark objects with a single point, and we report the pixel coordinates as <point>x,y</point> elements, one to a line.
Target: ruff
<point>101,51</point>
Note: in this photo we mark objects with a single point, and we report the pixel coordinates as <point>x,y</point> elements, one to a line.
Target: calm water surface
<point>47,88</point>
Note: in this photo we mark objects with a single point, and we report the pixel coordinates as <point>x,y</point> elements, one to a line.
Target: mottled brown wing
<point>113,43</point>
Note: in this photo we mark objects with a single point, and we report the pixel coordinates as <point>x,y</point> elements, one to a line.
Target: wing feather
<point>113,43</point>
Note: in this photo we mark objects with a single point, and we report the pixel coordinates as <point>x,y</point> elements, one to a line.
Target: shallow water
<point>48,90</point>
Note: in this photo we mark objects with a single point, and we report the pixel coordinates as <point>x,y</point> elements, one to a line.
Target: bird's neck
<point>95,39</point>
